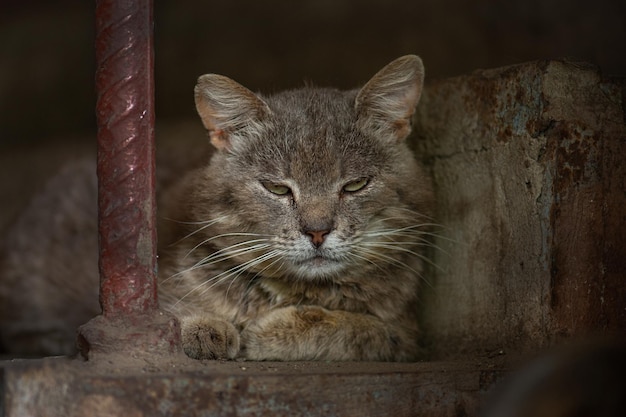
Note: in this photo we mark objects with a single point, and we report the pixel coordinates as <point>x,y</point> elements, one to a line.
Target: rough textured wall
<point>528,163</point>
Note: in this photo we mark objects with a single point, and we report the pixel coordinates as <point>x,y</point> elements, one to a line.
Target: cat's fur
<point>302,238</point>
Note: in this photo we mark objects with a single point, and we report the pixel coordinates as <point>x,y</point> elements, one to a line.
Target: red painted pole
<point>130,321</point>
<point>126,172</point>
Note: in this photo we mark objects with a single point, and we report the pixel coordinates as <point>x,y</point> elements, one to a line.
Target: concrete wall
<point>529,166</point>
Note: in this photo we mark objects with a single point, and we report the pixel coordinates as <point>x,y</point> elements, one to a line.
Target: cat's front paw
<point>209,338</point>
<point>293,333</point>
<point>315,333</point>
<point>266,337</point>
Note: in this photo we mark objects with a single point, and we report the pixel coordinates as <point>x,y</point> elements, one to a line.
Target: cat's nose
<point>317,236</point>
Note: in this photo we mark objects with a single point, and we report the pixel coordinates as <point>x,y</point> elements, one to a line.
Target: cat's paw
<point>315,333</point>
<point>266,337</point>
<point>291,333</point>
<point>209,338</point>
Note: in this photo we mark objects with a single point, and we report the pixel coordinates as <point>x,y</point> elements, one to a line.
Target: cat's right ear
<point>227,108</point>
<point>387,102</point>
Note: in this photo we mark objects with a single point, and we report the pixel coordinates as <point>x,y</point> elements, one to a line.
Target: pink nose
<point>317,236</point>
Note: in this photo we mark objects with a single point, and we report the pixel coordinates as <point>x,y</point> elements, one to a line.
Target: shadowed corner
<point>582,379</point>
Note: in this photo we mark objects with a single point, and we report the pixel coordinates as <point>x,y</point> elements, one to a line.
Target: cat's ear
<point>387,102</point>
<point>227,108</point>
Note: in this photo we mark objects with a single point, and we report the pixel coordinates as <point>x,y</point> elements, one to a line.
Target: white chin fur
<point>309,263</point>
<point>318,268</point>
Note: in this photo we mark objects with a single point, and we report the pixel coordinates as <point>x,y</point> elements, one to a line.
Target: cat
<point>302,238</point>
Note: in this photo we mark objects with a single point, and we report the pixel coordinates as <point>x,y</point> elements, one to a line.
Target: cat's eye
<point>277,189</point>
<point>354,186</point>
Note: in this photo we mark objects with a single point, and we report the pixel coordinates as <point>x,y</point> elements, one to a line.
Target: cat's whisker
<point>403,219</point>
<point>251,264</point>
<point>414,217</point>
<point>437,226</point>
<point>414,213</point>
<point>391,246</point>
<point>226,255</point>
<point>205,224</point>
<point>376,255</point>
<point>207,264</point>
<point>224,235</point>
<point>233,273</point>
<point>189,222</point>
<point>416,228</point>
<point>391,260</point>
<point>248,264</point>
<point>365,259</point>
<point>417,241</point>
<point>278,254</point>
<point>279,258</point>
<point>222,255</point>
<point>412,235</point>
<point>225,251</point>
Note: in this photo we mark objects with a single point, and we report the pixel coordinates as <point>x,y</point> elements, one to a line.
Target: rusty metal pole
<point>125,115</point>
<point>126,186</point>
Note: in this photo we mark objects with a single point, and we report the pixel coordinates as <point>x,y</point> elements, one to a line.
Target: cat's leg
<point>315,333</point>
<point>209,338</point>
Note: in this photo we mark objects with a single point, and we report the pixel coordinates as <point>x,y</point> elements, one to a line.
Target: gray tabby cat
<point>302,238</point>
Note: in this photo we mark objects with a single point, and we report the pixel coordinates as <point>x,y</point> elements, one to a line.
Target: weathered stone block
<point>529,165</point>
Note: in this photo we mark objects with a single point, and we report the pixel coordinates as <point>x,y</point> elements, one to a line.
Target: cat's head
<point>311,182</point>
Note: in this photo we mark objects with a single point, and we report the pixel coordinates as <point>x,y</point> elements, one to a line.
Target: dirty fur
<point>303,237</point>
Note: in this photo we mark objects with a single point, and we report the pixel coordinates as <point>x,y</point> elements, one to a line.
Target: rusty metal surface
<point>126,172</point>
<point>587,149</point>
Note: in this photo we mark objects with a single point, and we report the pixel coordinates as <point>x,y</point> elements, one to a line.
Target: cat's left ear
<point>387,102</point>
<point>228,110</point>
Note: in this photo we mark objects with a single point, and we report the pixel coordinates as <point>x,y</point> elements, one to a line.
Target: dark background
<point>47,58</point>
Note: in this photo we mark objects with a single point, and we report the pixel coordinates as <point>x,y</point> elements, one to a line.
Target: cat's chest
<point>277,293</point>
